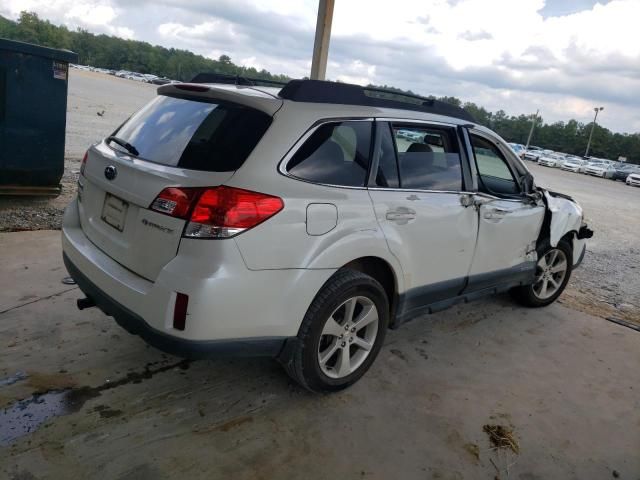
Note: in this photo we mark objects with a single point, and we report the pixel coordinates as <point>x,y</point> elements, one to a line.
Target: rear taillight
<point>84,162</point>
<point>218,212</point>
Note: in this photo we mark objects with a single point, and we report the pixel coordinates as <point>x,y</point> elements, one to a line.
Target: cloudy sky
<point>561,56</point>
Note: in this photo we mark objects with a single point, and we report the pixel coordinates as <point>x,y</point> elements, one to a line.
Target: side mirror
<point>527,184</point>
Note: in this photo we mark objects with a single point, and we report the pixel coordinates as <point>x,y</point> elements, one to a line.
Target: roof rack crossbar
<point>321,91</point>
<point>212,77</point>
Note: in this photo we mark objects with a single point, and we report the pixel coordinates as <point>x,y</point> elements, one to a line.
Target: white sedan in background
<point>551,160</point>
<point>600,169</point>
<point>633,180</point>
<point>573,164</point>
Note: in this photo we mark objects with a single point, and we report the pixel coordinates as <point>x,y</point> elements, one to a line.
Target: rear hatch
<point>183,138</point>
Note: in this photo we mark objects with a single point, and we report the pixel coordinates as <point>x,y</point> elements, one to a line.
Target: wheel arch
<point>381,270</point>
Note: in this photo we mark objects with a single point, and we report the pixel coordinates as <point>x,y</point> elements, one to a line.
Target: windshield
<point>193,134</point>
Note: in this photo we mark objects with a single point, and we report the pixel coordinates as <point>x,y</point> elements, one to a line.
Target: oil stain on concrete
<point>26,416</point>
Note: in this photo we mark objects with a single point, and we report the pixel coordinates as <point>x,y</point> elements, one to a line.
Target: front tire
<point>553,271</point>
<point>341,333</point>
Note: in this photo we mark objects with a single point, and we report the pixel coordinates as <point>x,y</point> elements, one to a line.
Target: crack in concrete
<point>36,300</point>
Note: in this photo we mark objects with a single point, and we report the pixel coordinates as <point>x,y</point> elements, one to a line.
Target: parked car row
<point>139,77</point>
<point>598,167</point>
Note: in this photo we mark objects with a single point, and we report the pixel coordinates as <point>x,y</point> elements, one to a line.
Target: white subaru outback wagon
<point>301,222</point>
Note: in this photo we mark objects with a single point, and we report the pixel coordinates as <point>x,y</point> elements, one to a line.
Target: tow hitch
<point>83,303</point>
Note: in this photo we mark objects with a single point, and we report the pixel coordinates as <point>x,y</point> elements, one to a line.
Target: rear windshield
<point>194,134</point>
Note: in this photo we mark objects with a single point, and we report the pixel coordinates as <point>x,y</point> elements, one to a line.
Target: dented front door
<point>507,234</point>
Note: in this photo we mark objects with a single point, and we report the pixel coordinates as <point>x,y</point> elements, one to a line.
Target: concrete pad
<point>566,382</point>
<point>31,267</point>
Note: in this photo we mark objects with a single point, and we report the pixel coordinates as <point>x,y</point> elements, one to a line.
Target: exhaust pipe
<point>83,303</point>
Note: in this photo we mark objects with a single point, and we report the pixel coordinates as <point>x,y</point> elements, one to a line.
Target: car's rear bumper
<point>135,324</point>
<point>230,308</point>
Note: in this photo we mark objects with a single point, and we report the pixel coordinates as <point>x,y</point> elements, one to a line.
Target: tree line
<point>119,54</point>
<point>115,53</point>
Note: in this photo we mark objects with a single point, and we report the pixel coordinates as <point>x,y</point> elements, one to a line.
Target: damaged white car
<point>302,222</point>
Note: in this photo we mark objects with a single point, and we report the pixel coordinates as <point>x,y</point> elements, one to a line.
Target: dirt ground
<point>81,398</point>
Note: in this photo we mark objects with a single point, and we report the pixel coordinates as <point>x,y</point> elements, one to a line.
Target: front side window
<point>337,153</point>
<point>493,171</point>
<point>428,158</point>
<point>194,134</point>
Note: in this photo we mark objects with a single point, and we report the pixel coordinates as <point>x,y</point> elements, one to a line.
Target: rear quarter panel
<point>283,241</point>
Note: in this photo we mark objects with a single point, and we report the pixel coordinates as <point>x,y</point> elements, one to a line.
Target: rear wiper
<point>126,145</point>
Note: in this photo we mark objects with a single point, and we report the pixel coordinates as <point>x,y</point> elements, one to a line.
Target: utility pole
<point>593,126</point>
<point>533,124</point>
<point>321,44</point>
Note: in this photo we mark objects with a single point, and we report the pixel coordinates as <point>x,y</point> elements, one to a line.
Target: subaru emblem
<point>110,172</point>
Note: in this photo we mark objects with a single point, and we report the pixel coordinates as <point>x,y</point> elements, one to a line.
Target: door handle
<point>401,214</point>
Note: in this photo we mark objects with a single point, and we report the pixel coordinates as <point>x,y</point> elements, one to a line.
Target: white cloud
<point>99,16</point>
<point>502,54</point>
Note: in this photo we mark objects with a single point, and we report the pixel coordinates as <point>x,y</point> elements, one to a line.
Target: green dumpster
<point>33,115</point>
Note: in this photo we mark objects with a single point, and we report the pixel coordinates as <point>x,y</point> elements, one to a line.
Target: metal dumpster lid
<point>38,50</point>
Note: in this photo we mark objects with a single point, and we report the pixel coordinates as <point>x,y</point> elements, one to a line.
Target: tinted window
<point>337,153</point>
<point>387,174</point>
<point>493,170</point>
<point>428,158</point>
<point>194,134</point>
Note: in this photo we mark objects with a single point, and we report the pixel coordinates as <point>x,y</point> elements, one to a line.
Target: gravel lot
<point>607,284</point>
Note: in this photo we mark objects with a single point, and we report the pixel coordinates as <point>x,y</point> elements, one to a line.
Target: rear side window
<point>194,134</point>
<point>337,153</point>
<point>428,158</point>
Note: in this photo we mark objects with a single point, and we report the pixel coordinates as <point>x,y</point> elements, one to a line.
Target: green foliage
<point>118,54</point>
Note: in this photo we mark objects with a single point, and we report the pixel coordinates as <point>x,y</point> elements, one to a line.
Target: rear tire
<point>553,271</point>
<point>341,333</point>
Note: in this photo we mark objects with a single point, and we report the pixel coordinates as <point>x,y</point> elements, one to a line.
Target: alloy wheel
<point>347,337</point>
<point>551,270</point>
